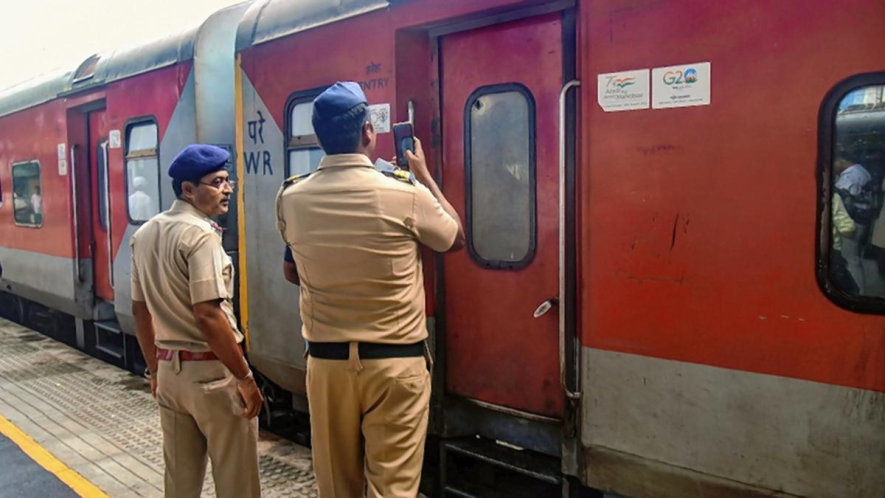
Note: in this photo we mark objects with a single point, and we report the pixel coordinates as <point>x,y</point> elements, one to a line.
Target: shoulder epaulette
<point>292,180</point>
<point>401,175</point>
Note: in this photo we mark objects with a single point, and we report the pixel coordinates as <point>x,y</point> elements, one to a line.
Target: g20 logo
<point>679,78</point>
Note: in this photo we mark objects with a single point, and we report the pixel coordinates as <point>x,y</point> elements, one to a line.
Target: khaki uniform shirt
<point>178,261</point>
<point>354,235</point>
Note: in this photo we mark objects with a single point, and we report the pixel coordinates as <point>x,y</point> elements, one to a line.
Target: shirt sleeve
<point>137,293</point>
<point>842,221</point>
<point>433,226</point>
<point>206,262</point>
<point>287,256</point>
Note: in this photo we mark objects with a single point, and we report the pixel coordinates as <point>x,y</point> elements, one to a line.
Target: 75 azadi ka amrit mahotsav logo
<point>624,82</point>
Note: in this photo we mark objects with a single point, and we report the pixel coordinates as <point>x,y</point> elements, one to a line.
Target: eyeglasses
<point>218,183</point>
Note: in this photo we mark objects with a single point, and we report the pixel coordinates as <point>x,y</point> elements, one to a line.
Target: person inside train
<point>852,185</point>
<point>182,291</point>
<point>141,206</point>
<point>354,232</point>
<point>21,207</point>
<point>37,207</point>
<point>843,227</point>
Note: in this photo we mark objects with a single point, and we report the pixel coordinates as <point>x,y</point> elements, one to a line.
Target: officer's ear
<point>187,190</point>
<point>368,133</point>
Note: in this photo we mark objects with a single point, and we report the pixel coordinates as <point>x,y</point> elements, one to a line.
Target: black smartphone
<point>404,139</point>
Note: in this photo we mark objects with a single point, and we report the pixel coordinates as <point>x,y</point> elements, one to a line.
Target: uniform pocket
<point>216,384</point>
<point>409,395</point>
<point>227,391</point>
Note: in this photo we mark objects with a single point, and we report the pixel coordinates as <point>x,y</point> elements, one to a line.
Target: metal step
<point>109,339</point>
<point>486,468</point>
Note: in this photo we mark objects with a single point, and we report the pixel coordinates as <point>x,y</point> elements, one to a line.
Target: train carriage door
<point>101,207</point>
<point>500,113</point>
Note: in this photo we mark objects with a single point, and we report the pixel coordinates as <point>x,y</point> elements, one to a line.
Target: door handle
<point>544,307</point>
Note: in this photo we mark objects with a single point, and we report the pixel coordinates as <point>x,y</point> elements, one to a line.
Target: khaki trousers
<point>200,411</point>
<point>368,422</point>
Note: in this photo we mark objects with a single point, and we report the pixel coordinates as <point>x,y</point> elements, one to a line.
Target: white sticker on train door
<point>380,117</point>
<point>62,159</point>
<point>623,91</point>
<point>114,141</point>
<point>681,86</point>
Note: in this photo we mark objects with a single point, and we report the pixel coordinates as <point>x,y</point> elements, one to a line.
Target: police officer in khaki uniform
<point>354,233</point>
<point>182,285</point>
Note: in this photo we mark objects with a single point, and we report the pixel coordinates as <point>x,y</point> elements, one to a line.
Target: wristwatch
<point>148,375</point>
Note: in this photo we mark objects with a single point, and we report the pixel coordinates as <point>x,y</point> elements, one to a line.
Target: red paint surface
<point>294,64</point>
<point>496,351</point>
<point>33,135</point>
<point>734,181</point>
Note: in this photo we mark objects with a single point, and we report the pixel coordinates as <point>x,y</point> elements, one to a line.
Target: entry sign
<point>681,86</point>
<point>623,91</point>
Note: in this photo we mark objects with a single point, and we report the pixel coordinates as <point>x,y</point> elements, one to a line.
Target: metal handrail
<point>562,242</point>
<point>107,211</point>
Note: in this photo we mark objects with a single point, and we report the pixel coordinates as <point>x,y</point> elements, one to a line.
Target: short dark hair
<point>341,134</point>
<point>176,187</point>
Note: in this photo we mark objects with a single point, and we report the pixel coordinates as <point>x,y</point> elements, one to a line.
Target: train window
<point>101,155</point>
<point>27,196</point>
<point>303,150</point>
<point>853,228</point>
<point>142,171</point>
<point>500,176</point>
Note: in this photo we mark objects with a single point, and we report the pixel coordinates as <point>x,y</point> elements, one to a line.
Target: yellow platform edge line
<point>46,460</point>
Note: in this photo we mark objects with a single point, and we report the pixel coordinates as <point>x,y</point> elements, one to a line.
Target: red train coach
<point>653,296</point>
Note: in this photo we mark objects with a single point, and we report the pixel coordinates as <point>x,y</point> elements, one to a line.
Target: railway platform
<point>72,425</point>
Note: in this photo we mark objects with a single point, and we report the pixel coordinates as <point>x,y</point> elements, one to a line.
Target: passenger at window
<point>851,186</point>
<point>141,206</point>
<point>18,201</point>
<point>843,227</point>
<point>36,207</point>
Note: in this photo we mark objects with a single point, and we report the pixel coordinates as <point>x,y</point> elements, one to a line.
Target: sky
<point>37,36</point>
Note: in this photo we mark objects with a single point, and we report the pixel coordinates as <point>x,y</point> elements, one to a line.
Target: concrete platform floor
<point>103,423</point>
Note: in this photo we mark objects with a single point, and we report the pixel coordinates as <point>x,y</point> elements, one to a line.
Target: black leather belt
<point>367,350</point>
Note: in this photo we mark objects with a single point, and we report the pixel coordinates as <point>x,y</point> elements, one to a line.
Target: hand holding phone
<point>404,140</point>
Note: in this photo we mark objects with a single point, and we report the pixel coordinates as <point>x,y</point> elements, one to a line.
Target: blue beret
<point>197,161</point>
<point>338,99</point>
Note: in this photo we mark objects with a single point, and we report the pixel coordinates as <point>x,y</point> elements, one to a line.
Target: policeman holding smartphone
<point>354,233</point>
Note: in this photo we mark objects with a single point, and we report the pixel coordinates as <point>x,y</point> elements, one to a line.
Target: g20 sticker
<point>681,86</point>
